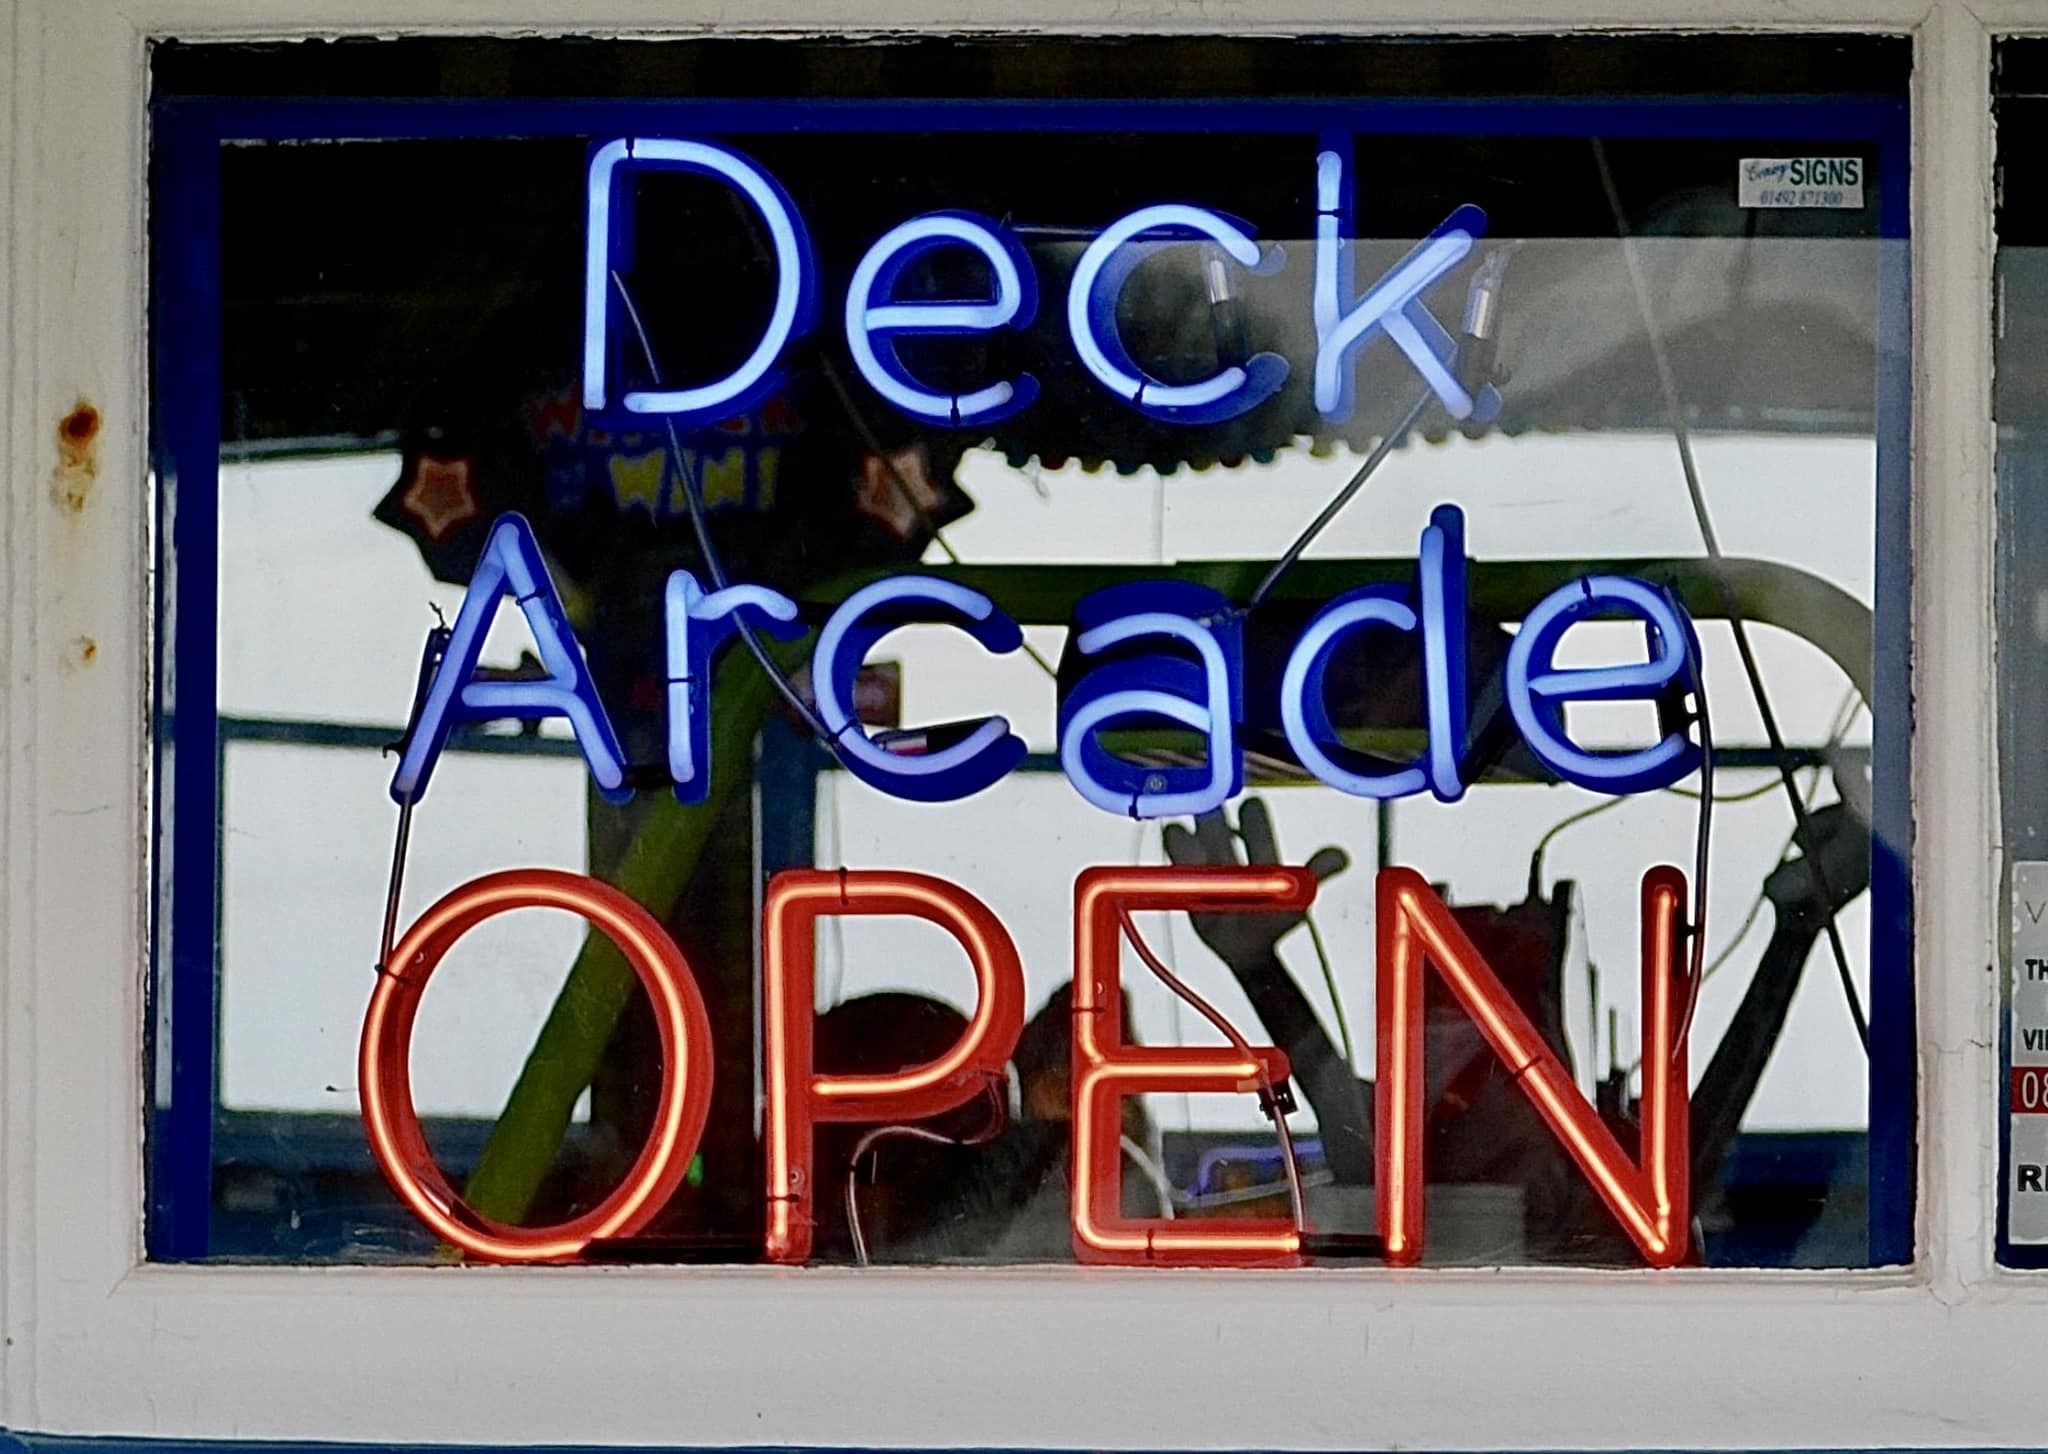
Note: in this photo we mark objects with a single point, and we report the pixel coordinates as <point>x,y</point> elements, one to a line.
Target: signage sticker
<point>2027,1108</point>
<point>1799,182</point>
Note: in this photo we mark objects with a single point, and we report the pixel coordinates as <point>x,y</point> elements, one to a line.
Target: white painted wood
<point>1955,861</point>
<point>1039,1357</point>
<point>241,19</point>
<point>14,619</point>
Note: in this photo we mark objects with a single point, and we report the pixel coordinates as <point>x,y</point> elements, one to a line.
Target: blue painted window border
<point>185,349</point>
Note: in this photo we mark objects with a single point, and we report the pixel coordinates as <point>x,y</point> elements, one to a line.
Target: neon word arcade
<point>1178,659</point>
<point>1172,652</point>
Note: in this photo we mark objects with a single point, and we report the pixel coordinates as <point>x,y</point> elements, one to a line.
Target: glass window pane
<point>1026,409</point>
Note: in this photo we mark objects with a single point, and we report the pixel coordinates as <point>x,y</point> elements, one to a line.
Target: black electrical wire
<point>694,495</point>
<point>997,1121</point>
<point>1668,383</point>
<point>1389,442</point>
<point>431,655</point>
<point>873,444</point>
<point>1703,836</point>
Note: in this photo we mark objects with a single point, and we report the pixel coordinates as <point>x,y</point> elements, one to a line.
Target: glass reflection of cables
<point>1808,840</point>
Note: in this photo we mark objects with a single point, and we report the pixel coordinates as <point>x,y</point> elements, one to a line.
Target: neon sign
<point>1149,654</point>
<point>874,318</point>
<point>512,563</point>
<point>989,749</point>
<point>797,1096</point>
<point>700,627</point>
<point>1392,306</point>
<point>1107,1070</point>
<point>1650,1200</point>
<point>791,316</point>
<point>1206,695</point>
<point>1091,317</point>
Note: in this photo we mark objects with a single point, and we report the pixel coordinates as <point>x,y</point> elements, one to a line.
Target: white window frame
<point>98,1342</point>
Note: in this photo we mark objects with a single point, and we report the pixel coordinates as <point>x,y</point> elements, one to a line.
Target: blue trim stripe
<point>1818,119</point>
<point>1894,1085</point>
<point>188,321</point>
<point>31,1443</point>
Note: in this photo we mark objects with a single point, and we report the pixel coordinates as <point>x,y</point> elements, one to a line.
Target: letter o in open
<point>385,1066</point>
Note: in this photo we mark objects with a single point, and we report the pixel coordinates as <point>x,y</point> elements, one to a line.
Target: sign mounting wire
<point>1274,1100</point>
<point>1389,442</point>
<point>430,663</point>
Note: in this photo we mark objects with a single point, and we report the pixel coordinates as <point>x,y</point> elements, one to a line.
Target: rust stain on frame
<point>82,651</point>
<point>78,461</point>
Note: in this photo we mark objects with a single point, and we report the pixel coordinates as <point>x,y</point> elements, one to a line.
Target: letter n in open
<point>1650,1197</point>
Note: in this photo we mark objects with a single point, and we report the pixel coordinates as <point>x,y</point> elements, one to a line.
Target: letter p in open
<point>797,1096</point>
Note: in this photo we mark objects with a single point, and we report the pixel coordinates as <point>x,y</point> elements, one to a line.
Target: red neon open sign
<point>1648,1194</point>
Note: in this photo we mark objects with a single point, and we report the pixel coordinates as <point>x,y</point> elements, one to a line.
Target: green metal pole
<point>654,871</point>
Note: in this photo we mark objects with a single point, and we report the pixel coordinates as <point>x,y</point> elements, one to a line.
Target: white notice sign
<point>1799,182</point>
<point>2027,1110</point>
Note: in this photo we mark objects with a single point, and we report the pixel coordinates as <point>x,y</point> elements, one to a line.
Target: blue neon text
<point>607,234</point>
<point>1538,690</point>
<point>1393,306</point>
<point>874,321</point>
<point>1152,655</point>
<point>1099,278</point>
<point>698,627</point>
<point>876,318</point>
<point>1154,627</point>
<point>986,749</point>
<point>511,564</point>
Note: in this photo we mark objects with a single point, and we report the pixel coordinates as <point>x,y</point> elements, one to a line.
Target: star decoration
<point>439,495</point>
